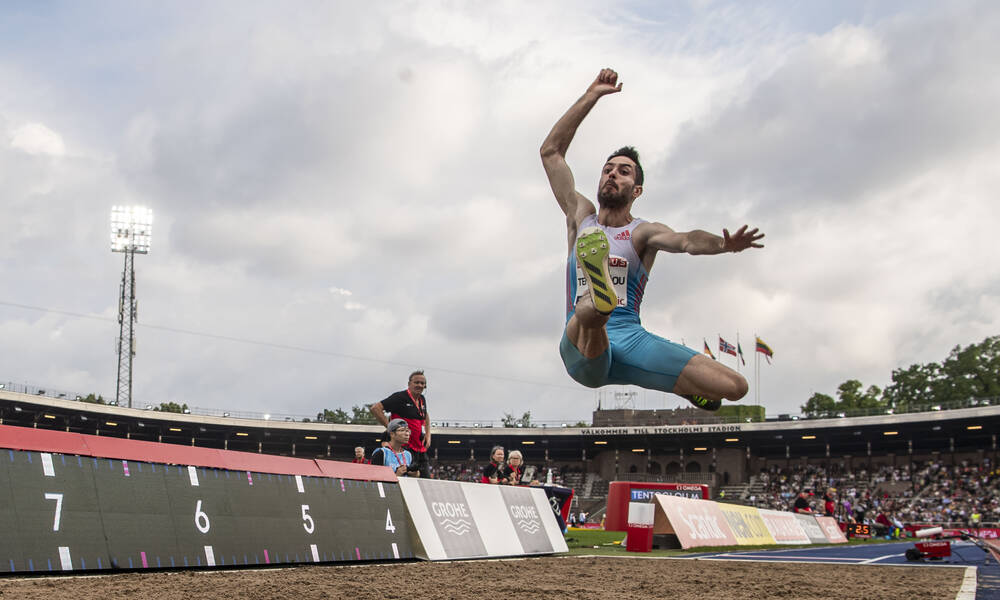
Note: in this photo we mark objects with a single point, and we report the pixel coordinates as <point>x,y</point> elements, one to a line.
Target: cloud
<point>36,138</point>
<point>344,193</point>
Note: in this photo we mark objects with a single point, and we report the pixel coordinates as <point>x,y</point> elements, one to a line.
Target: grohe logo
<point>526,518</point>
<point>452,516</point>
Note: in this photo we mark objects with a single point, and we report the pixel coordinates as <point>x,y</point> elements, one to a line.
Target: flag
<point>765,350</point>
<point>726,347</point>
<point>708,350</point>
<point>739,349</point>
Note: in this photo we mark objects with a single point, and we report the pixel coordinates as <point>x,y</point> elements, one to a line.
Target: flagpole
<point>737,351</point>
<point>756,362</point>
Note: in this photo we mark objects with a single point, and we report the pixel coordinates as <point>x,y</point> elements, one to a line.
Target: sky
<point>345,192</point>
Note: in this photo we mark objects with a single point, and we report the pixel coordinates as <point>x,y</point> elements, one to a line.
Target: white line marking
<point>210,556</point>
<point>47,465</point>
<point>381,493</point>
<point>315,552</point>
<point>874,560</point>
<point>193,474</point>
<point>298,484</point>
<point>395,550</point>
<point>968,589</point>
<point>64,558</point>
<point>785,556</point>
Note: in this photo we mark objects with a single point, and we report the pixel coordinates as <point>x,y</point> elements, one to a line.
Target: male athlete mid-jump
<point>610,255</point>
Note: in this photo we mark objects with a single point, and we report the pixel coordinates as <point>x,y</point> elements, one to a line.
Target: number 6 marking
<point>200,517</point>
<point>58,498</point>
<point>307,522</point>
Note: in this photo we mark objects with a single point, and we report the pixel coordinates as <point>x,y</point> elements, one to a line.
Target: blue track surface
<point>964,554</point>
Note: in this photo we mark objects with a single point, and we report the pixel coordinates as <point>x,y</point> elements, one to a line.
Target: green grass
<point>607,543</point>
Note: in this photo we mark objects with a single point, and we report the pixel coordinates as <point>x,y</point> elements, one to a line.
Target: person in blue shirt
<point>395,456</point>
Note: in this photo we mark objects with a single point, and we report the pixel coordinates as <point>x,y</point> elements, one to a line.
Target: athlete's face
<point>617,187</point>
<point>417,385</point>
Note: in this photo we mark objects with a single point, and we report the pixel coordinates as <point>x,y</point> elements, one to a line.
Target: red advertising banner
<point>832,530</point>
<point>620,493</point>
<point>784,527</point>
<point>694,522</point>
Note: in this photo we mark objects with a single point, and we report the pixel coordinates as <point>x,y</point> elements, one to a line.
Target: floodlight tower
<point>131,233</point>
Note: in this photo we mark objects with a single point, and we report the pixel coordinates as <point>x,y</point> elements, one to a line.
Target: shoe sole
<point>592,251</point>
<point>709,405</point>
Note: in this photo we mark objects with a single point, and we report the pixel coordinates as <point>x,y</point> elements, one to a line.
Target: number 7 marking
<point>58,498</point>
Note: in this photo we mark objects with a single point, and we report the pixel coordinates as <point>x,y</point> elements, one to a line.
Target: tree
<point>359,415</point>
<point>744,413</point>
<point>973,371</point>
<point>510,421</point>
<point>819,405</point>
<point>917,385</point>
<point>172,407</point>
<point>93,399</point>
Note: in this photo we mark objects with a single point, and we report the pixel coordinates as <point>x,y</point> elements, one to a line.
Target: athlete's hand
<point>741,240</point>
<point>606,83</point>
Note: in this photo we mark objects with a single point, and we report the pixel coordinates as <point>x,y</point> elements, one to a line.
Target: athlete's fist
<point>606,83</point>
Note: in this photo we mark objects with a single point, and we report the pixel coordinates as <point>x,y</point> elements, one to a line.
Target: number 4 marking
<point>388,522</point>
<point>58,498</point>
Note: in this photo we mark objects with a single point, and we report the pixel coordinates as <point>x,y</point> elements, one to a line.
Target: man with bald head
<point>610,256</point>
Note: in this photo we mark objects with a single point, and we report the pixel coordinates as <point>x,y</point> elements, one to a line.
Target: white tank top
<point>628,275</point>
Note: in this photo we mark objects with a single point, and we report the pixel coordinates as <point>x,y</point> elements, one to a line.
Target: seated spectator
<point>359,456</point>
<point>395,456</point>
<point>514,470</point>
<point>494,471</point>
<point>802,504</point>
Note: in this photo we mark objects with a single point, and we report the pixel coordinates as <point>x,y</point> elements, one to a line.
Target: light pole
<point>131,233</point>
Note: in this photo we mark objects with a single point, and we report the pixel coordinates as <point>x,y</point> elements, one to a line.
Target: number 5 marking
<point>307,522</point>
<point>58,498</point>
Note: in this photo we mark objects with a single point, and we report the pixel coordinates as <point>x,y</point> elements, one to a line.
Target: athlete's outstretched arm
<point>554,148</point>
<point>659,237</point>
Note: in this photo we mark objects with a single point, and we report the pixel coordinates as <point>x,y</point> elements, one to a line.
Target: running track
<point>982,584</point>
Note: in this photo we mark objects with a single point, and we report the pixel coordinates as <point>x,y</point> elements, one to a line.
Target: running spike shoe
<point>703,402</point>
<point>592,250</point>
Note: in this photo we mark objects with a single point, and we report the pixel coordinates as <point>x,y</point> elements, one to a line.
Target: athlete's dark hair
<point>632,154</point>
<point>410,378</point>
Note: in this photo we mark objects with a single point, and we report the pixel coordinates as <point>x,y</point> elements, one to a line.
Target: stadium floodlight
<point>131,229</point>
<point>131,234</point>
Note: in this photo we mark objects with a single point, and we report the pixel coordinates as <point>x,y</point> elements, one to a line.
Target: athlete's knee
<point>587,315</point>
<point>738,387</point>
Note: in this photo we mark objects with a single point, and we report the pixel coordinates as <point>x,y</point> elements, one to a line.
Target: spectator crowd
<point>888,497</point>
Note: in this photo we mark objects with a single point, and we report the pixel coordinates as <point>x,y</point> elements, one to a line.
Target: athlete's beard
<point>613,199</point>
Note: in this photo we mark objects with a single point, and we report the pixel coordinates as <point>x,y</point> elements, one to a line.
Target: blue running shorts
<point>635,357</point>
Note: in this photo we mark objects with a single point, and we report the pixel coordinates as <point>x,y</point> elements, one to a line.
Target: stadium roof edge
<point>43,403</point>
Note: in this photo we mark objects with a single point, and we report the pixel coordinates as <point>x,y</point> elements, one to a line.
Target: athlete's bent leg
<point>586,329</point>
<point>705,377</point>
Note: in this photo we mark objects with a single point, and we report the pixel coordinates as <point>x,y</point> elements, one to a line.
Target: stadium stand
<point>935,466</point>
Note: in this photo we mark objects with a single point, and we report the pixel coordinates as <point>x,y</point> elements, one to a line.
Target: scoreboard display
<point>859,530</point>
<point>62,512</point>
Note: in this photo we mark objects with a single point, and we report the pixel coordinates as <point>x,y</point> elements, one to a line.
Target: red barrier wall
<point>42,440</point>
